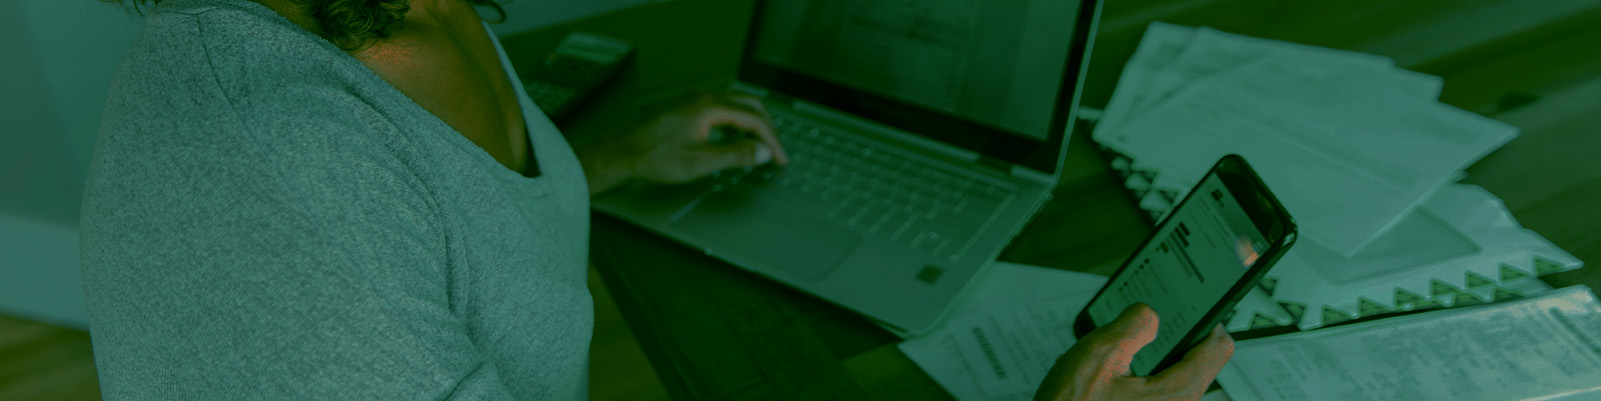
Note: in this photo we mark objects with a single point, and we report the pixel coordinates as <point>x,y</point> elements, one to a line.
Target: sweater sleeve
<point>284,253</point>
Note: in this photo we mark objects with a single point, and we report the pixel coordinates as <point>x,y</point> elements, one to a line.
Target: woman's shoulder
<point>239,45</point>
<point>213,85</point>
<point>233,66</point>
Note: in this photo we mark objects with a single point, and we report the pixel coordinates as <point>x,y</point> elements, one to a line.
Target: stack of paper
<point>1460,248</point>
<point>1359,151</point>
<point>1546,347</point>
<point>1005,334</point>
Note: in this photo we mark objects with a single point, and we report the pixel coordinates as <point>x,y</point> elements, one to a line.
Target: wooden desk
<point>715,332</point>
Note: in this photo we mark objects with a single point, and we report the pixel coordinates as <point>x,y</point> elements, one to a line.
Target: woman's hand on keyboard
<point>703,136</point>
<point>1097,366</point>
<point>685,142</point>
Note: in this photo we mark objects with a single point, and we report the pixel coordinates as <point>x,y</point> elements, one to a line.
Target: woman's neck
<point>295,13</point>
<point>419,10</point>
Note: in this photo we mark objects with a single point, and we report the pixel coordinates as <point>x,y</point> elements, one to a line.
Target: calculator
<point>580,66</point>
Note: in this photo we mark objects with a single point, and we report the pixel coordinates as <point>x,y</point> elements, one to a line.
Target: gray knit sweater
<point>268,219</point>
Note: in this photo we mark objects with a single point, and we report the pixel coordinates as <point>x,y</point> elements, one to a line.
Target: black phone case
<point>1084,324</point>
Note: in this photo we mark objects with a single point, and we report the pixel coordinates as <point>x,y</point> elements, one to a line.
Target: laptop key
<point>844,210</point>
<point>828,194</point>
<point>991,193</point>
<point>929,245</point>
<point>973,208</point>
<point>929,229</point>
<point>892,219</point>
<point>951,252</point>
<point>881,193</point>
<point>868,215</point>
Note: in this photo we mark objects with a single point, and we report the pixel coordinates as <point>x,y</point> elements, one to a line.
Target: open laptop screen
<point>995,62</point>
<point>996,67</point>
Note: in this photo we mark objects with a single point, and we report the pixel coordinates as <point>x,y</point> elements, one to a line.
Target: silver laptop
<point>922,137</point>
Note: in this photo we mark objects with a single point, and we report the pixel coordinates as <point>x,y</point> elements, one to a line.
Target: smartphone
<point>1198,263</point>
<point>579,67</point>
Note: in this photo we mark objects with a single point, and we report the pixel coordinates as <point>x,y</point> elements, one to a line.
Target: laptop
<point>922,136</point>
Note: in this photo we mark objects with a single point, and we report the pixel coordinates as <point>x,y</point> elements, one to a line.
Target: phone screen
<point>1190,264</point>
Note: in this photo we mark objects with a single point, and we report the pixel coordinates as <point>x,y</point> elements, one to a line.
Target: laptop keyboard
<point>879,193</point>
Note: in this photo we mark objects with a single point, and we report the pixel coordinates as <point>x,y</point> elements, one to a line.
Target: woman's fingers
<point>1132,330</point>
<point>1201,364</point>
<point>746,153</point>
<point>743,119</point>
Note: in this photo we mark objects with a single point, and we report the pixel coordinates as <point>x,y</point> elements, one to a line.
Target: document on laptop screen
<point>996,62</point>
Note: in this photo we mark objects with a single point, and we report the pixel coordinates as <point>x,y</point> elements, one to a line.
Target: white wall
<point>56,61</point>
<point>60,57</point>
<point>45,284</point>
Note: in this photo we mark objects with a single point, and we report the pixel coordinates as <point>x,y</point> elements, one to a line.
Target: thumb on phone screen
<point>1097,366</point>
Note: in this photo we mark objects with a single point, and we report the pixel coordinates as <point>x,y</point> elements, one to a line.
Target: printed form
<point>1014,350</point>
<point>1004,337</point>
<point>1545,347</point>
<point>1346,170</point>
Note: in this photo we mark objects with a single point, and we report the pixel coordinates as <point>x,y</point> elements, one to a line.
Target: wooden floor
<point>618,369</point>
<point>1533,63</point>
<point>41,362</point>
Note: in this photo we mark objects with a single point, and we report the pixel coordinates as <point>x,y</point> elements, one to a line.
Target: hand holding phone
<point>1204,256</point>
<point>1097,366</point>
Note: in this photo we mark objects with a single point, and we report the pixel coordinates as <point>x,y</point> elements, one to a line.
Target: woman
<point>353,199</point>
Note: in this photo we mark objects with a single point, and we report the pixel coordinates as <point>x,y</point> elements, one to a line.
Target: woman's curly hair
<point>352,24</point>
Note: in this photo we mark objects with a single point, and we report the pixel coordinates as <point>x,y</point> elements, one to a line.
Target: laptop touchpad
<point>782,235</point>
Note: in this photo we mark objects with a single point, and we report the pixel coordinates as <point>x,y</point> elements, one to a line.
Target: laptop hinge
<point>754,90</point>
<point>780,98</point>
<point>994,163</point>
<point>1032,174</point>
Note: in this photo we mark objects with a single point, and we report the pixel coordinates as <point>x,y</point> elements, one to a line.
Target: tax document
<point>1546,347</point>
<point>1346,169</point>
<point>1021,315</point>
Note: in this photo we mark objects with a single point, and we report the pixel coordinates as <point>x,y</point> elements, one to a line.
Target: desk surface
<point>716,332</point>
